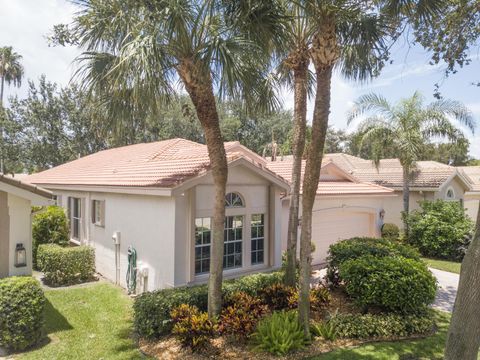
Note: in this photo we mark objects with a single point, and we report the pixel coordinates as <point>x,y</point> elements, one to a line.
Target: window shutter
<point>93,211</point>
<point>102,213</point>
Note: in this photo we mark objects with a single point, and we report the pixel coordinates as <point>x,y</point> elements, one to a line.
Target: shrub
<point>390,231</point>
<point>240,318</point>
<point>391,283</point>
<point>369,326</point>
<point>49,227</point>
<point>319,298</point>
<point>440,229</point>
<point>22,306</point>
<point>356,247</point>
<point>192,327</point>
<point>276,296</point>
<point>66,265</point>
<point>326,330</point>
<point>279,333</point>
<point>251,284</point>
<point>152,309</point>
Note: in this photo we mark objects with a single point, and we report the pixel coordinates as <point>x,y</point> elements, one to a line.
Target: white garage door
<point>331,226</point>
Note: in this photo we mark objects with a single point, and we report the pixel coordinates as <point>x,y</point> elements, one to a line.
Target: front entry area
<point>332,225</point>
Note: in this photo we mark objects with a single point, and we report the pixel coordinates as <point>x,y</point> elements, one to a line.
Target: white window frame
<point>72,219</point>
<point>98,212</point>
<point>257,239</point>
<point>453,193</point>
<point>202,245</point>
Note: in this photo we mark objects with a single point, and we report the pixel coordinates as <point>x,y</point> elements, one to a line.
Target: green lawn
<point>91,322</point>
<point>444,265</point>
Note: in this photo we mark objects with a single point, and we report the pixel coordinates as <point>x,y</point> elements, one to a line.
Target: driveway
<point>447,289</point>
<point>446,293</point>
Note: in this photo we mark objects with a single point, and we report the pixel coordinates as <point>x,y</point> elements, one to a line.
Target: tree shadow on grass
<point>55,321</point>
<point>129,343</point>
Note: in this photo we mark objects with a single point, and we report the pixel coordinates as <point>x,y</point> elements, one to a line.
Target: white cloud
<point>24,25</point>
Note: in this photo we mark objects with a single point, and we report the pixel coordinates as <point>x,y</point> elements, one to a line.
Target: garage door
<point>328,227</point>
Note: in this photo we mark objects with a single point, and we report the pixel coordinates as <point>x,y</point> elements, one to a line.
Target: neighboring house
<point>158,198</point>
<point>431,180</point>
<point>472,197</point>
<point>16,200</point>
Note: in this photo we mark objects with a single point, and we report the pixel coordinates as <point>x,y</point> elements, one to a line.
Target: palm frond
<point>370,102</point>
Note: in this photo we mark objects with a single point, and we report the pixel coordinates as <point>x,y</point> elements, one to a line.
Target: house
<point>472,197</point>
<point>431,180</point>
<point>16,200</point>
<point>158,198</point>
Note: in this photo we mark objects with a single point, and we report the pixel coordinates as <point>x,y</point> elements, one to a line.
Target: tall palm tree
<point>352,36</point>
<point>136,50</point>
<point>11,72</point>
<point>406,127</point>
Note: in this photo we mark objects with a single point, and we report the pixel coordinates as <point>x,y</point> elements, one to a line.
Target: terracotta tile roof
<point>327,184</point>
<point>473,175</point>
<point>163,164</point>
<point>428,174</point>
<point>25,186</point>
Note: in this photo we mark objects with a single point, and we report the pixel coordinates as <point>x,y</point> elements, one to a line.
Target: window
<point>202,245</point>
<point>75,213</point>
<point>258,238</point>
<point>233,200</point>
<point>98,212</point>
<point>233,236</point>
<point>450,194</point>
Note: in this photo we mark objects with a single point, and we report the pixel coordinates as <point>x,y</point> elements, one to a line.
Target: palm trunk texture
<point>463,339</point>
<point>199,87</point>
<point>299,63</point>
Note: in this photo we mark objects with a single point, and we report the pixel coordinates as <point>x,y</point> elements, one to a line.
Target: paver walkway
<point>447,289</point>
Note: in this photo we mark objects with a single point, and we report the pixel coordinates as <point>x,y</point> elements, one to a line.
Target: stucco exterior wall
<point>471,205</point>
<point>4,234</point>
<point>393,206</point>
<point>19,211</point>
<point>145,222</point>
<point>456,185</point>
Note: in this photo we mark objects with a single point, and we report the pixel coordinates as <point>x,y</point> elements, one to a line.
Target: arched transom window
<point>450,194</point>
<point>233,200</point>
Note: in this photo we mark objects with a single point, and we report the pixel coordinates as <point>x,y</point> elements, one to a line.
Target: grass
<point>430,348</point>
<point>445,265</point>
<point>91,322</point>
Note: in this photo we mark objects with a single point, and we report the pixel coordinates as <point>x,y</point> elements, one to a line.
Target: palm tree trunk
<point>406,198</point>
<point>310,185</point>
<point>199,87</point>
<point>300,124</point>
<point>463,339</point>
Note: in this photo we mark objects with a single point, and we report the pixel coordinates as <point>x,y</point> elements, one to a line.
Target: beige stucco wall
<point>4,234</point>
<point>19,211</point>
<point>456,185</point>
<point>471,205</point>
<point>145,222</point>
<point>394,206</point>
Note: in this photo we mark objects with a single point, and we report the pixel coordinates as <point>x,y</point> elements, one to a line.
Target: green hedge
<point>440,229</point>
<point>49,226</point>
<point>152,309</point>
<point>370,326</point>
<point>390,231</point>
<point>391,283</point>
<point>22,306</point>
<point>356,247</point>
<point>66,265</point>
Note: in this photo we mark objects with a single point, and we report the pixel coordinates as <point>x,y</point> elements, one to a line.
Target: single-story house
<point>472,197</point>
<point>158,198</point>
<point>16,200</point>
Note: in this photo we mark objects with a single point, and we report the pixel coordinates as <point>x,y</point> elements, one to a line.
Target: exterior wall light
<point>382,214</point>
<point>20,256</point>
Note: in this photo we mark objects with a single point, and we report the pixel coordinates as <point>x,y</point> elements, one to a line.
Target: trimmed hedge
<point>356,247</point>
<point>391,283</point>
<point>440,229</point>
<point>49,227</point>
<point>370,326</point>
<point>66,265</point>
<point>151,310</point>
<point>22,307</point>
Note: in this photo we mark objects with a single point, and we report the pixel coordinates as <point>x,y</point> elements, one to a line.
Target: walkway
<point>447,289</point>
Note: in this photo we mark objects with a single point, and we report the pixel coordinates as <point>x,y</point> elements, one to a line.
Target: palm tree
<point>406,127</point>
<point>135,51</point>
<point>11,72</point>
<point>353,37</point>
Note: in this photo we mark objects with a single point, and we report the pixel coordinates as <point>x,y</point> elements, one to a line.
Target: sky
<point>24,24</point>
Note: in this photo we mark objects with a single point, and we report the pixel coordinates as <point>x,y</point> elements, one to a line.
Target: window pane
<point>202,245</point>
<point>257,236</point>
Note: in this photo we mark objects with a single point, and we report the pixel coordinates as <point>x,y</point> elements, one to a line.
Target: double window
<point>98,212</point>
<point>235,229</point>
